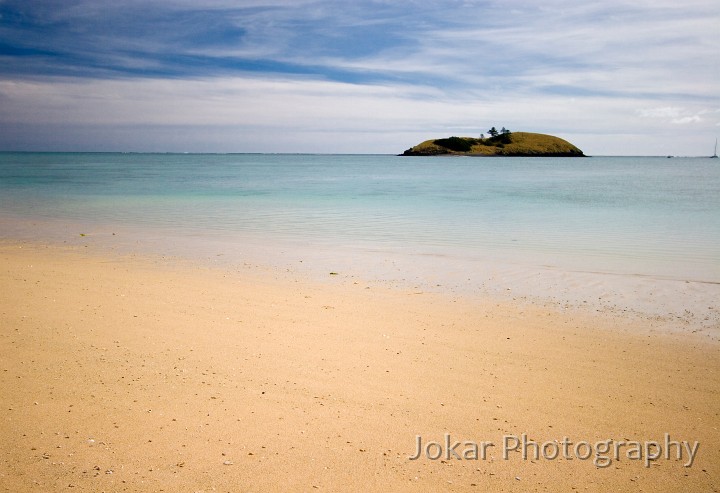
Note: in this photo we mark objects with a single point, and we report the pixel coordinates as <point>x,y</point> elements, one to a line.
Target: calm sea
<point>653,217</point>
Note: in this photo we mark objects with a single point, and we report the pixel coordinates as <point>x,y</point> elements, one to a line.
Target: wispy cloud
<point>679,116</point>
<point>585,70</point>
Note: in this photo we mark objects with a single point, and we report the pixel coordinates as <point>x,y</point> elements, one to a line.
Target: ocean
<point>461,221</point>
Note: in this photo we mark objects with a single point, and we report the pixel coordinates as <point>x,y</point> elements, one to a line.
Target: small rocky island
<point>497,143</point>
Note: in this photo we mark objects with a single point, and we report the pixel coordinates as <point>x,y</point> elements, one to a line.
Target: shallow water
<point>651,217</point>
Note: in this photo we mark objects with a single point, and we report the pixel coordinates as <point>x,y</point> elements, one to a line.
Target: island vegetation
<point>497,143</point>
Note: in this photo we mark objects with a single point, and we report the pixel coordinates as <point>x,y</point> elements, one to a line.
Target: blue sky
<point>614,77</point>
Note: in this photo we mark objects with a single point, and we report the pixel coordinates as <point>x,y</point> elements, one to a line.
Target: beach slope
<point>128,374</point>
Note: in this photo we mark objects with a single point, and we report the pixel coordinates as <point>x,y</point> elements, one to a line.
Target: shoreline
<point>674,302</point>
<point>140,373</point>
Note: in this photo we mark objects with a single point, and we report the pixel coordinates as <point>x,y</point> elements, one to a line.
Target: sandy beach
<point>122,373</point>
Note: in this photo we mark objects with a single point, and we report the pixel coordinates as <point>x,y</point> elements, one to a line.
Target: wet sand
<point>127,373</point>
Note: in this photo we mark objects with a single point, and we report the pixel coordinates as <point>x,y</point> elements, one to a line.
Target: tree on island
<point>504,136</point>
<point>493,132</point>
<point>498,138</point>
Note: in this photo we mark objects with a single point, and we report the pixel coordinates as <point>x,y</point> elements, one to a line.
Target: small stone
<point>228,463</point>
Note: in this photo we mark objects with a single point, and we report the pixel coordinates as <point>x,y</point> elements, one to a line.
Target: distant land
<point>502,144</point>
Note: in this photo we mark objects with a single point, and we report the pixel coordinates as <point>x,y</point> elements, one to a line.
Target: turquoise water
<point>647,216</point>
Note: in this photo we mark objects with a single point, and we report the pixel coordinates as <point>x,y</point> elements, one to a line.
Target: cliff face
<point>515,144</point>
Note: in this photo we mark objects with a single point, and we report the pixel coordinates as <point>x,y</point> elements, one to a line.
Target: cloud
<point>666,113</point>
<point>687,119</point>
<point>678,116</point>
<point>262,114</point>
<point>376,68</point>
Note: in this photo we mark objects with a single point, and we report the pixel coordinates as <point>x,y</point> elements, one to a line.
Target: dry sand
<point>127,374</point>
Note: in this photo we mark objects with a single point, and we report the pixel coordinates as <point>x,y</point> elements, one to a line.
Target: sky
<point>638,77</point>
